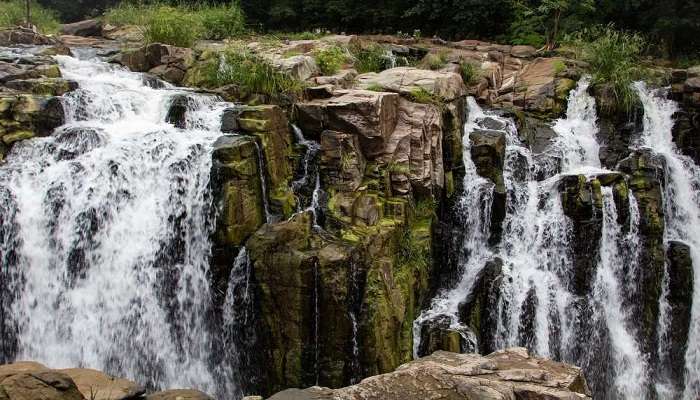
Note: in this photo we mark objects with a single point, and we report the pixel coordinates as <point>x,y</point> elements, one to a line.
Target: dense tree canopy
<point>672,25</point>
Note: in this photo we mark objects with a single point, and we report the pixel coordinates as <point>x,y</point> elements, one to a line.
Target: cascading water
<point>682,212</point>
<point>537,306</point>
<point>310,178</point>
<point>105,230</point>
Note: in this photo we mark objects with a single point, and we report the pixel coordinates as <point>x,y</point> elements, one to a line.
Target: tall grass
<point>13,13</point>
<point>614,59</point>
<point>181,25</point>
<point>173,26</point>
<point>253,75</point>
<point>369,58</point>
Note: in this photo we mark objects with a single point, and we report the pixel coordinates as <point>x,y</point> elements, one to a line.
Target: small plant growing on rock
<point>559,67</point>
<point>331,59</point>
<point>375,87</point>
<point>13,13</point>
<point>420,95</point>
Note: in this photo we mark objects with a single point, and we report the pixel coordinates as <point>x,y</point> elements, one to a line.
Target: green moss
<point>375,87</point>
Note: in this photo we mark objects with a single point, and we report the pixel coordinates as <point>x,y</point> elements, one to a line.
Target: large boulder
<point>28,380</point>
<point>43,86</point>
<point>504,375</point>
<point>21,36</point>
<point>540,90</point>
<point>447,86</point>
<point>372,116</point>
<point>89,27</point>
<point>96,385</point>
<point>25,116</point>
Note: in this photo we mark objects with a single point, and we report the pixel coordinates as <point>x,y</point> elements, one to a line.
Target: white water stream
<point>110,219</point>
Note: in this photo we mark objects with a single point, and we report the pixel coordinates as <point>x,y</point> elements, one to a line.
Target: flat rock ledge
<point>504,375</point>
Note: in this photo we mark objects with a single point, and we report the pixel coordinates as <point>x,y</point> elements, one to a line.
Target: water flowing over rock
<point>106,228</point>
<point>582,252</point>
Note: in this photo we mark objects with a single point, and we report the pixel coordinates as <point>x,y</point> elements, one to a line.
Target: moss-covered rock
<point>645,172</point>
<point>582,202</point>
<point>270,126</point>
<point>25,116</point>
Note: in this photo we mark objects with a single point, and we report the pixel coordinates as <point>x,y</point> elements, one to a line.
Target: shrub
<point>435,61</point>
<point>220,22</point>
<point>12,13</point>
<point>614,58</point>
<point>254,75</point>
<point>173,26</point>
<point>369,58</point>
<point>330,59</point>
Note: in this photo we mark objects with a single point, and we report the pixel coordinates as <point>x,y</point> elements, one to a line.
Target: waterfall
<point>682,210</point>
<point>310,178</point>
<point>104,235</point>
<point>263,183</point>
<point>539,305</point>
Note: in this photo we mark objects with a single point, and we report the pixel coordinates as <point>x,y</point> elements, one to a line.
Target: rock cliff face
<point>507,374</point>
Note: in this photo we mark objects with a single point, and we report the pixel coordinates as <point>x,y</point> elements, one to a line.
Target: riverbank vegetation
<point>13,12</point>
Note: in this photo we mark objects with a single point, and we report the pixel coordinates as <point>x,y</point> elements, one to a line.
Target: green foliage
<point>173,26</point>
<point>375,87</point>
<point>253,75</point>
<point>369,58</point>
<point>13,13</point>
<point>470,73</point>
<point>614,58</point>
<point>559,67</point>
<point>411,250</point>
<point>222,21</point>
<point>182,25</point>
<point>331,59</point>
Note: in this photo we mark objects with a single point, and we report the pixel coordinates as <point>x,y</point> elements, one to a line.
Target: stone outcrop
<point>646,180</point>
<point>406,80</point>
<point>686,132</point>
<point>507,374</point>
<point>25,116</point>
<point>21,36</point>
<point>30,380</point>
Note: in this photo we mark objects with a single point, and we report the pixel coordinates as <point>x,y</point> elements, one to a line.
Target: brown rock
<point>30,381</point>
<point>372,116</point>
<point>406,80</point>
<point>96,385</point>
<point>504,375</point>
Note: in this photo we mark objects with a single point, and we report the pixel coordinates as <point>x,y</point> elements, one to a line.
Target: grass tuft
<point>253,75</point>
<point>614,59</point>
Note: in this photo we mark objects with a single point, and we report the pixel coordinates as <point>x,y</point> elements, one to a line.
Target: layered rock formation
<point>506,374</point>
